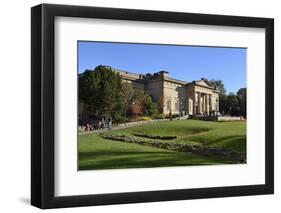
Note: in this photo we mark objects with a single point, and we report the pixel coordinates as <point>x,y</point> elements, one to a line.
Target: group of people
<point>98,124</point>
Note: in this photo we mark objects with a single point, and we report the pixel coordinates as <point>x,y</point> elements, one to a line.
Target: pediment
<point>204,83</point>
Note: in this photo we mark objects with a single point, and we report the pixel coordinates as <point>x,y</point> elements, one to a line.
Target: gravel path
<point>124,126</point>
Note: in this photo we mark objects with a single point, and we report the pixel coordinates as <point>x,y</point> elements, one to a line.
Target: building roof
<point>176,80</point>
<point>129,75</point>
<point>143,77</point>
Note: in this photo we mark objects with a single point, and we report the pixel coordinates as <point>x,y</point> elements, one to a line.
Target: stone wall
<point>175,97</point>
<point>230,118</point>
<point>155,89</point>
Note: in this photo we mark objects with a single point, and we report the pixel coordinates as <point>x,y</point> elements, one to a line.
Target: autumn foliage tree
<point>136,106</point>
<point>142,104</point>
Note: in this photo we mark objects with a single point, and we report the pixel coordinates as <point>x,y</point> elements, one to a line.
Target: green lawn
<point>98,153</point>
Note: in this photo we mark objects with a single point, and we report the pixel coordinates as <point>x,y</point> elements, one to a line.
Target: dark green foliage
<point>231,104</point>
<point>100,89</point>
<point>127,95</point>
<point>150,107</point>
<point>223,107</point>
<point>234,105</point>
<point>160,137</point>
<point>242,100</point>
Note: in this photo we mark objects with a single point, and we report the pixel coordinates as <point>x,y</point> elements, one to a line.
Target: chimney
<point>164,74</point>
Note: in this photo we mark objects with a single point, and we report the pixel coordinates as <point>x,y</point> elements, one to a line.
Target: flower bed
<point>155,136</point>
<point>195,148</point>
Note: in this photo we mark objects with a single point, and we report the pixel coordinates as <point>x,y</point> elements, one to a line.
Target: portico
<point>205,98</point>
<point>203,104</point>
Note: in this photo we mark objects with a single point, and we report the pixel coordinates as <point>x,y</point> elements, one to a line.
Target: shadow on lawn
<point>97,154</point>
<point>237,142</point>
<point>126,159</point>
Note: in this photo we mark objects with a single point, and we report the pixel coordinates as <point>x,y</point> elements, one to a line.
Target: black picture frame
<point>43,117</point>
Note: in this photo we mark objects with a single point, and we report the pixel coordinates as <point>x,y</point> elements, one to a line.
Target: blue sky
<point>186,63</point>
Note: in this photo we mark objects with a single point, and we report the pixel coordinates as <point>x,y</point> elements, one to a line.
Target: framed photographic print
<point>139,106</point>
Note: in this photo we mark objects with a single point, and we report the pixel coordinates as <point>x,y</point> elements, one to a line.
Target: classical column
<point>199,103</point>
<point>210,103</point>
<point>207,104</point>
<point>204,103</point>
<point>194,104</point>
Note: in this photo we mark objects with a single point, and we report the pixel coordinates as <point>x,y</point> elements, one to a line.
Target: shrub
<point>134,118</point>
<point>155,136</point>
<point>146,118</point>
<point>118,119</point>
<point>159,116</point>
<point>176,115</point>
<point>149,106</point>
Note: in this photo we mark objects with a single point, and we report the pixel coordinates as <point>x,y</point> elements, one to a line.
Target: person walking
<point>102,123</point>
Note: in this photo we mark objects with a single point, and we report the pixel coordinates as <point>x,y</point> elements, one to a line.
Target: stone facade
<point>176,96</point>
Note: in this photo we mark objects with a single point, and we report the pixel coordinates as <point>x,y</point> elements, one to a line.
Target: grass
<point>98,153</point>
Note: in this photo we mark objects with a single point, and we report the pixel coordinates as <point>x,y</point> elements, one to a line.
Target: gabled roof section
<point>204,83</point>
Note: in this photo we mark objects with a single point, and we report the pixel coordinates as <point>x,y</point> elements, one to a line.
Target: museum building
<point>194,98</point>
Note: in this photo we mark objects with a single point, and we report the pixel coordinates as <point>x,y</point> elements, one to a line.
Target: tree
<point>127,93</point>
<point>223,105</point>
<point>142,104</point>
<point>161,104</point>
<point>136,106</point>
<point>232,105</point>
<point>242,101</point>
<point>100,89</point>
<point>149,107</point>
<point>219,86</point>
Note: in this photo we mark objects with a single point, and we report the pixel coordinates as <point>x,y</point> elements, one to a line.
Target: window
<point>177,105</point>
<point>169,104</point>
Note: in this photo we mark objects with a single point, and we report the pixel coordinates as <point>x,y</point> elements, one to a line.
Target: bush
<point>134,118</point>
<point>145,118</point>
<point>173,116</point>
<point>118,119</point>
<point>176,115</point>
<point>149,106</point>
<point>139,118</point>
<point>159,116</point>
<point>155,136</point>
